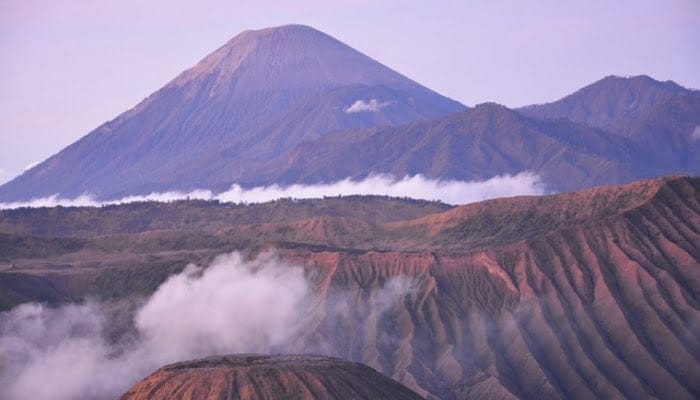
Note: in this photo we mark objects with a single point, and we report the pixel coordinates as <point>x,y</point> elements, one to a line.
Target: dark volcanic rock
<point>255,377</point>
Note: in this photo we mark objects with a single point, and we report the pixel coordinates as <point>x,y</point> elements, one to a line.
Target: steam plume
<point>233,306</point>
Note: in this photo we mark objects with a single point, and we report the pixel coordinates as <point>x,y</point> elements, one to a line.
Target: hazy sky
<point>68,66</point>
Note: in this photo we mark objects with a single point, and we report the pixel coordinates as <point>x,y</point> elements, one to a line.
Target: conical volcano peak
<point>287,29</point>
<point>289,57</point>
<point>250,101</point>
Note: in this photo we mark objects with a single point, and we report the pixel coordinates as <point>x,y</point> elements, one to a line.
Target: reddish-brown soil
<point>581,295</point>
<point>254,377</point>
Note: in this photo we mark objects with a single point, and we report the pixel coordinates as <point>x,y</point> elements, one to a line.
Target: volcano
<point>584,295</point>
<point>260,94</point>
<point>255,377</point>
<point>292,105</point>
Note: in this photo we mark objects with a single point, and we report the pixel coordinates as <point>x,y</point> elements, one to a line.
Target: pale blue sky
<point>68,66</point>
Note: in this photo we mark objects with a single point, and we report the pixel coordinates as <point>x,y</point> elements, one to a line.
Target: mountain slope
<point>613,131</point>
<point>475,144</point>
<point>670,132</point>
<point>254,377</point>
<point>77,222</point>
<point>659,118</point>
<point>290,104</point>
<point>610,101</point>
<point>261,93</point>
<point>593,294</point>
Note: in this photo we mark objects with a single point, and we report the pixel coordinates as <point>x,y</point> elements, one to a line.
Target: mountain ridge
<point>365,223</point>
<point>604,102</point>
<point>521,298</point>
<point>494,139</point>
<point>290,105</point>
<point>204,127</point>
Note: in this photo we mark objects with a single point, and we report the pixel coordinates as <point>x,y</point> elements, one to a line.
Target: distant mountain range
<point>293,105</point>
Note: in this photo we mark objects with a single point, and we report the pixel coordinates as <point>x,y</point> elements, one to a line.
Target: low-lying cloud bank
<point>417,187</point>
<point>233,306</point>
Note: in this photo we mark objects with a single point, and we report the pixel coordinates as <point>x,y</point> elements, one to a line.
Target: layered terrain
<point>290,105</point>
<point>476,144</point>
<point>582,295</point>
<point>613,131</point>
<point>251,377</point>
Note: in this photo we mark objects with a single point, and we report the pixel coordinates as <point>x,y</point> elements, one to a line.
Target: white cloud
<point>53,201</point>
<point>417,187</point>
<point>373,105</point>
<point>87,200</point>
<point>696,133</point>
<point>232,306</point>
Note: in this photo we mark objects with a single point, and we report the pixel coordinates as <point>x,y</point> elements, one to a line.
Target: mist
<point>373,105</point>
<point>417,187</point>
<point>232,306</point>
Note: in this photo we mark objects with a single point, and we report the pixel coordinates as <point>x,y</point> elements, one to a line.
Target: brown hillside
<point>585,295</point>
<point>254,377</point>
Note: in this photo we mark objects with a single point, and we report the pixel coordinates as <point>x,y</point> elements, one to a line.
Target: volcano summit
<point>257,96</point>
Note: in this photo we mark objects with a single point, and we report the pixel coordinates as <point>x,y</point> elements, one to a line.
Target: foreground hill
<point>592,294</point>
<point>253,377</point>
<point>211,216</point>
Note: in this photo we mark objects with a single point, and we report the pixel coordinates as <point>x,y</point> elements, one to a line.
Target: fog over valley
<point>417,187</point>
